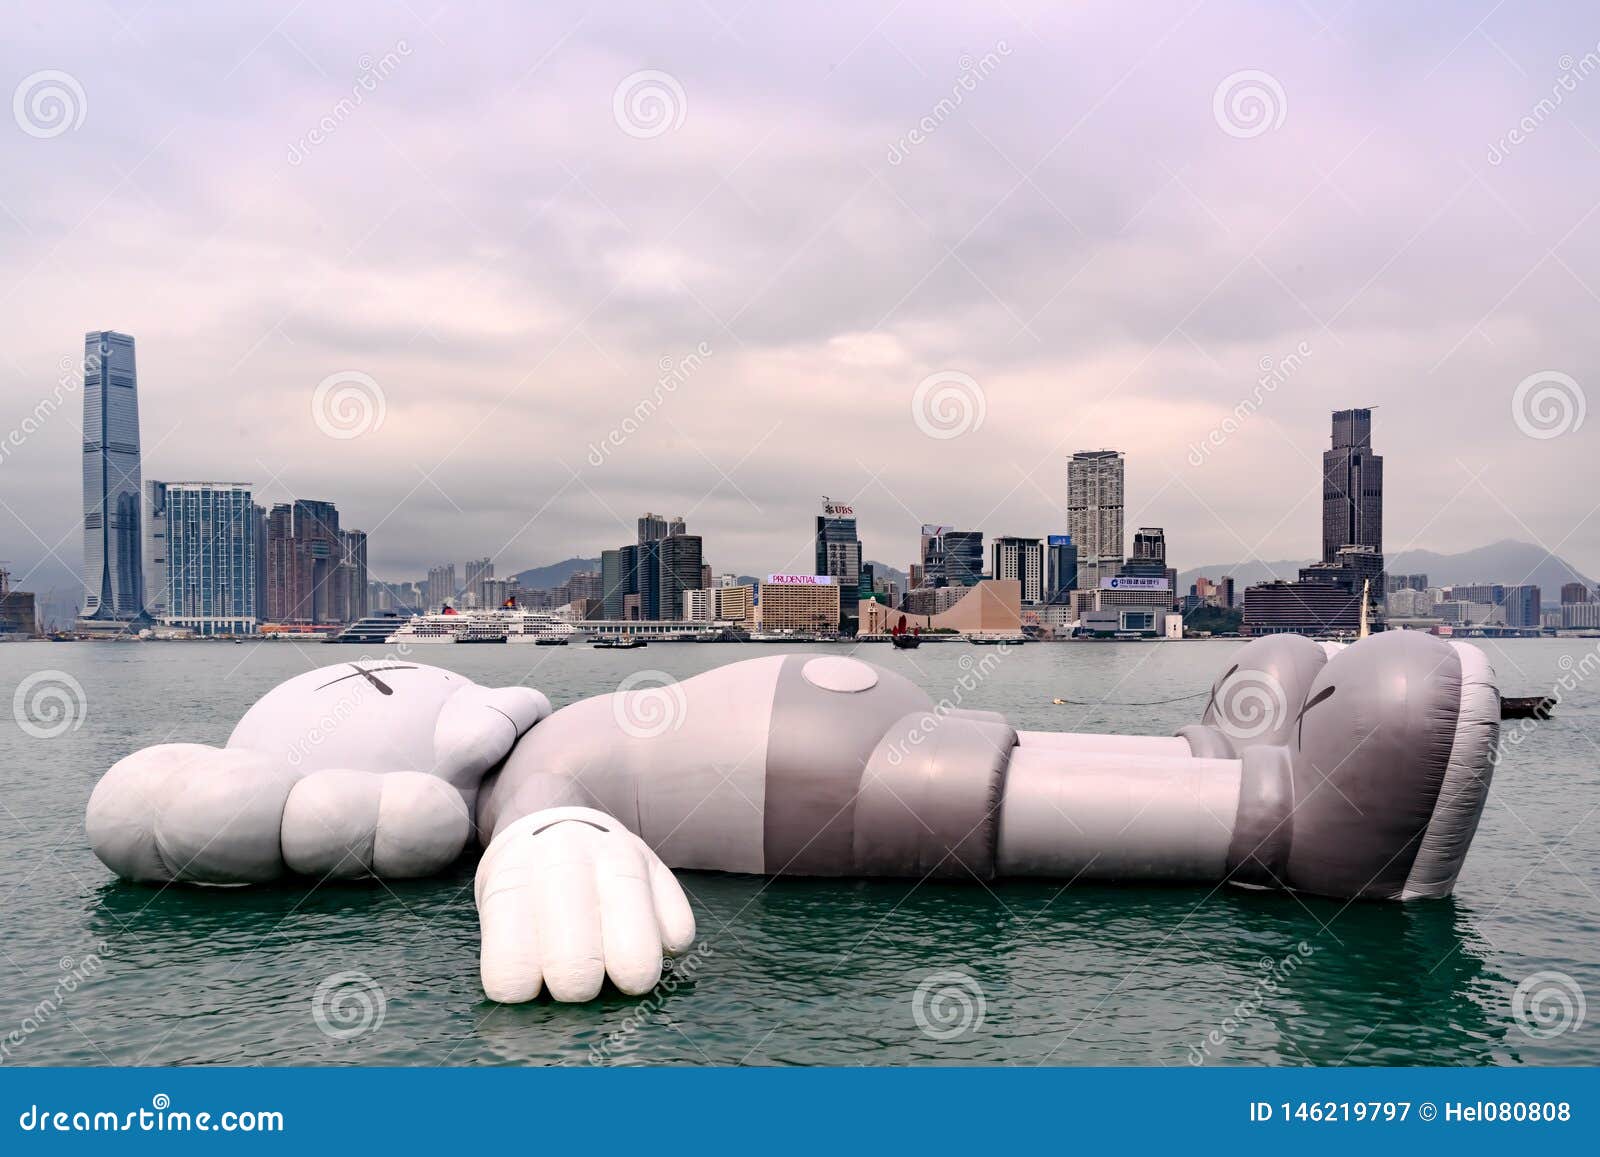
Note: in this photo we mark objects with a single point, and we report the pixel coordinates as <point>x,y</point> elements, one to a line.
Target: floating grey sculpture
<point>1352,772</point>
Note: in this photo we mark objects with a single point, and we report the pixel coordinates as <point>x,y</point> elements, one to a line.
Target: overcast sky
<point>1081,226</point>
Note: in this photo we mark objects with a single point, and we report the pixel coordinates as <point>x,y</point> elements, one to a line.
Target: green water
<point>791,972</point>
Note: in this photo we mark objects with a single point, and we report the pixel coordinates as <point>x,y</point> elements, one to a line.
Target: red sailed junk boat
<point>904,639</point>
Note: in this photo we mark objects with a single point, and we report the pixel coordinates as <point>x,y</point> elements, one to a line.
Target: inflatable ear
<point>477,728</point>
<point>1391,756</point>
<point>1255,701</point>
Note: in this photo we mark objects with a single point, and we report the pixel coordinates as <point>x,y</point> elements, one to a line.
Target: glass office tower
<point>113,588</point>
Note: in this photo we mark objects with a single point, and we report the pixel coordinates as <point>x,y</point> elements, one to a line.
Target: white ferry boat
<point>502,625</point>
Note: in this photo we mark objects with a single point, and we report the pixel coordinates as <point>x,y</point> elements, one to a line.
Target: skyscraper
<point>1352,486</point>
<point>680,563</point>
<point>112,545</point>
<point>1061,569</point>
<point>210,557</point>
<point>839,556</point>
<point>353,574</point>
<point>1021,559</point>
<point>441,585</point>
<point>654,526</point>
<point>1095,513</point>
<point>963,558</point>
<point>153,555</point>
<point>473,574</point>
<point>307,572</point>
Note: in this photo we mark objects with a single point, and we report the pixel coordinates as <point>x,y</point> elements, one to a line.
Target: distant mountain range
<point>1507,561</point>
<point>544,577</point>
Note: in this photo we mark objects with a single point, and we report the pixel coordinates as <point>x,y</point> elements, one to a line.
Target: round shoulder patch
<point>838,673</point>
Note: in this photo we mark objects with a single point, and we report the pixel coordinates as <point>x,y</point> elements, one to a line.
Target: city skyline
<point>564,322</point>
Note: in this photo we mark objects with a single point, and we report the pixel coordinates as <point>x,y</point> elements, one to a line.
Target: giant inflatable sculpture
<point>1356,772</point>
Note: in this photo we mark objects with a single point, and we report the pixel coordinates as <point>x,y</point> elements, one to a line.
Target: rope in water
<point>1112,703</point>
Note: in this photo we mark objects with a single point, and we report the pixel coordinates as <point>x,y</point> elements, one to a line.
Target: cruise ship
<point>510,624</point>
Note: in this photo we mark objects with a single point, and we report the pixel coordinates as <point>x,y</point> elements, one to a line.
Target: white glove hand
<point>567,896</point>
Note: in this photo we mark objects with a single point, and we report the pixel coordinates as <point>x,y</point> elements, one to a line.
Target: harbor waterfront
<point>797,971</point>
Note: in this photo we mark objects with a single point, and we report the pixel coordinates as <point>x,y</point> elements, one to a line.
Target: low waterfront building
<point>697,606</point>
<point>993,606</point>
<point>799,602</point>
<point>734,603</point>
<point>1579,616</point>
<point>1302,607</point>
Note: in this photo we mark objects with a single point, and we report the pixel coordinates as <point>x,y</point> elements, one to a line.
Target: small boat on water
<point>549,641</point>
<point>903,639</point>
<point>1527,706</point>
<point>618,644</point>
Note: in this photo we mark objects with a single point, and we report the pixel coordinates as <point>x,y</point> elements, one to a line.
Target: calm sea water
<point>797,972</point>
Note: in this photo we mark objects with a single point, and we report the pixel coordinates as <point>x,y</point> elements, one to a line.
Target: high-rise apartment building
<point>112,544</point>
<point>1574,593</point>
<point>1095,513</point>
<point>473,574</point>
<point>441,586</point>
<point>308,565</point>
<point>209,572</point>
